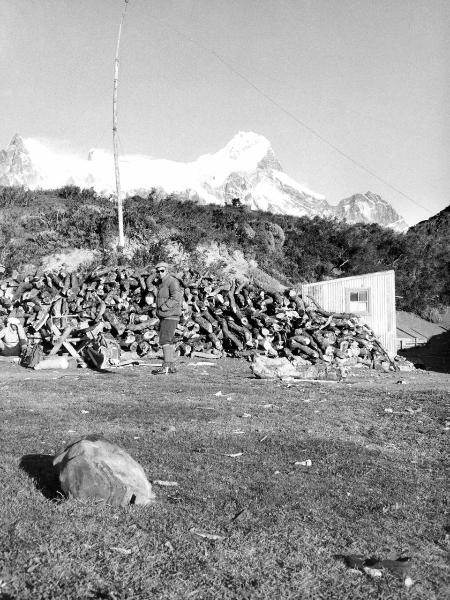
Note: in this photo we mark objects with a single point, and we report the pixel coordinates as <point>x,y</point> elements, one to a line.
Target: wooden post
<point>63,338</point>
<point>115,143</point>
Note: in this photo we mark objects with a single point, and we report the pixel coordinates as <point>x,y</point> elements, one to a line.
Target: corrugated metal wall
<point>333,296</point>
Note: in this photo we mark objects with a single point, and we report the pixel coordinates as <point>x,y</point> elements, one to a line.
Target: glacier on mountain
<point>245,170</point>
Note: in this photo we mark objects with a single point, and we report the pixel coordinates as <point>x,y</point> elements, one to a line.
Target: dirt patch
<point>70,260</point>
<point>234,261</point>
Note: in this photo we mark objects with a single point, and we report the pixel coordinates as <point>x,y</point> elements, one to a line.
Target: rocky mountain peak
<point>370,208</point>
<point>16,167</point>
<point>246,142</point>
<point>249,151</point>
<point>17,144</point>
<point>270,161</point>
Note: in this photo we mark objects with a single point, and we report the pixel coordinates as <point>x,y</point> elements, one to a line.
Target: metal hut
<point>370,296</point>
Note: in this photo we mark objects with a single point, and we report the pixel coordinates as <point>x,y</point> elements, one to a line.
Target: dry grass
<point>375,487</point>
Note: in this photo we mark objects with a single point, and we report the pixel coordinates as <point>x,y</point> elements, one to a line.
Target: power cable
<point>286,111</point>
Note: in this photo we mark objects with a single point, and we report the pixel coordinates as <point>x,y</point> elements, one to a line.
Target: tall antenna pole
<point>115,142</point>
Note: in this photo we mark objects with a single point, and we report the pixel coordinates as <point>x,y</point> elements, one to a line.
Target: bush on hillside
<point>15,196</point>
<point>293,250</point>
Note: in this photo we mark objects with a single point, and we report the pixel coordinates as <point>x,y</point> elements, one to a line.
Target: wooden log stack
<point>220,318</point>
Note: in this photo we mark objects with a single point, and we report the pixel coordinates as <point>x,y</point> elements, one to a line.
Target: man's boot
<point>168,365</point>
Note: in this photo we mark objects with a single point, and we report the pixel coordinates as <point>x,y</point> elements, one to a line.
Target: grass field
<point>376,485</point>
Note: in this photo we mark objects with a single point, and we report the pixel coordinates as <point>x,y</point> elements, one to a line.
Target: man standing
<point>168,309</point>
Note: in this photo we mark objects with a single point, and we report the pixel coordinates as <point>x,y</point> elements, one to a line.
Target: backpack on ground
<point>32,355</point>
<point>103,352</point>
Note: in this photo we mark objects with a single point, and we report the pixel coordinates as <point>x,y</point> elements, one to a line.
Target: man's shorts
<point>167,331</point>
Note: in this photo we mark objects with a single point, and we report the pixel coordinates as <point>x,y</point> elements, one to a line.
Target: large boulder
<point>94,468</point>
<point>264,367</point>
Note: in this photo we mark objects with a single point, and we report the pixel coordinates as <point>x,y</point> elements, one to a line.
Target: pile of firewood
<point>219,318</point>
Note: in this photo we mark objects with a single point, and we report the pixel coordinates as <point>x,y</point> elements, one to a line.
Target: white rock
<point>94,468</point>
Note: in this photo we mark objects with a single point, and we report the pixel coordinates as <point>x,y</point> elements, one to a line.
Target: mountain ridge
<point>246,170</point>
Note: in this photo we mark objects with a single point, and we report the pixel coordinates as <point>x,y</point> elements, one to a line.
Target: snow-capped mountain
<point>369,208</point>
<point>246,169</point>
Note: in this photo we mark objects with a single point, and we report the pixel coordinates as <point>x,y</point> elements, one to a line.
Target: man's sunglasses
<point>161,270</point>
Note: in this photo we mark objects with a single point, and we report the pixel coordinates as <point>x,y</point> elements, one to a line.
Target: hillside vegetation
<point>294,250</point>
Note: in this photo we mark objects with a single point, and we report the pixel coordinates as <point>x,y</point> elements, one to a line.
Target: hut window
<point>358,301</point>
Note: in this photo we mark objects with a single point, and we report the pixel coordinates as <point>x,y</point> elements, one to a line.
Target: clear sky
<point>331,83</point>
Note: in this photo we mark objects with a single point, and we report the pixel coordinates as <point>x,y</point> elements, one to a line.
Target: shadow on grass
<point>434,356</point>
<point>40,468</point>
<point>112,372</point>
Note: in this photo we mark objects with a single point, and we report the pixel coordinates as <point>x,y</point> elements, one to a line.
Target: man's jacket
<point>169,298</point>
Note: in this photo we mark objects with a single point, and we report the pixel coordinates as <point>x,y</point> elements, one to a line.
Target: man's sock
<point>169,353</point>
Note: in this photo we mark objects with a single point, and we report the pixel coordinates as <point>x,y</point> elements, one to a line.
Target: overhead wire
<point>290,114</point>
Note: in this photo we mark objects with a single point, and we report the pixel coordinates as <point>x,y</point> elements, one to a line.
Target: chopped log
<point>133,347</point>
<point>117,326</point>
<point>42,317</point>
<point>288,354</point>
<point>315,346</point>
<point>304,349</point>
<point>240,287</point>
<point>268,348</point>
<point>128,339</point>
<point>143,348</point>
<point>235,326</point>
<point>184,349</point>
<point>31,294</point>
<point>222,287</point>
<point>302,339</point>
<point>208,316</point>
<point>141,326</point>
<point>231,337</point>
<point>204,324</point>
<point>215,341</point>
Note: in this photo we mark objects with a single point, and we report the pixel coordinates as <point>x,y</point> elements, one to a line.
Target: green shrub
<point>290,249</point>
<point>15,196</point>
